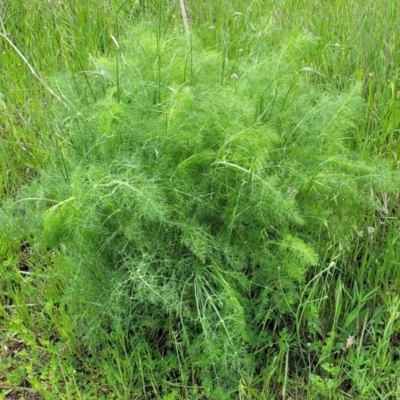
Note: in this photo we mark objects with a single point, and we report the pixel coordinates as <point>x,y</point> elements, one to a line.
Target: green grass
<point>202,216</point>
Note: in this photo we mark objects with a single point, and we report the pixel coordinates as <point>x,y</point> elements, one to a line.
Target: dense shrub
<point>191,194</point>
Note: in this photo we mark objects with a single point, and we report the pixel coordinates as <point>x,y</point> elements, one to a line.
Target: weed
<point>215,213</point>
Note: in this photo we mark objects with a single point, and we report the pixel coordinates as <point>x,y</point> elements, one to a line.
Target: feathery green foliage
<point>210,216</point>
<point>197,200</point>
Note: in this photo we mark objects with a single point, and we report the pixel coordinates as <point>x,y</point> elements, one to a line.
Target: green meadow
<point>199,199</point>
